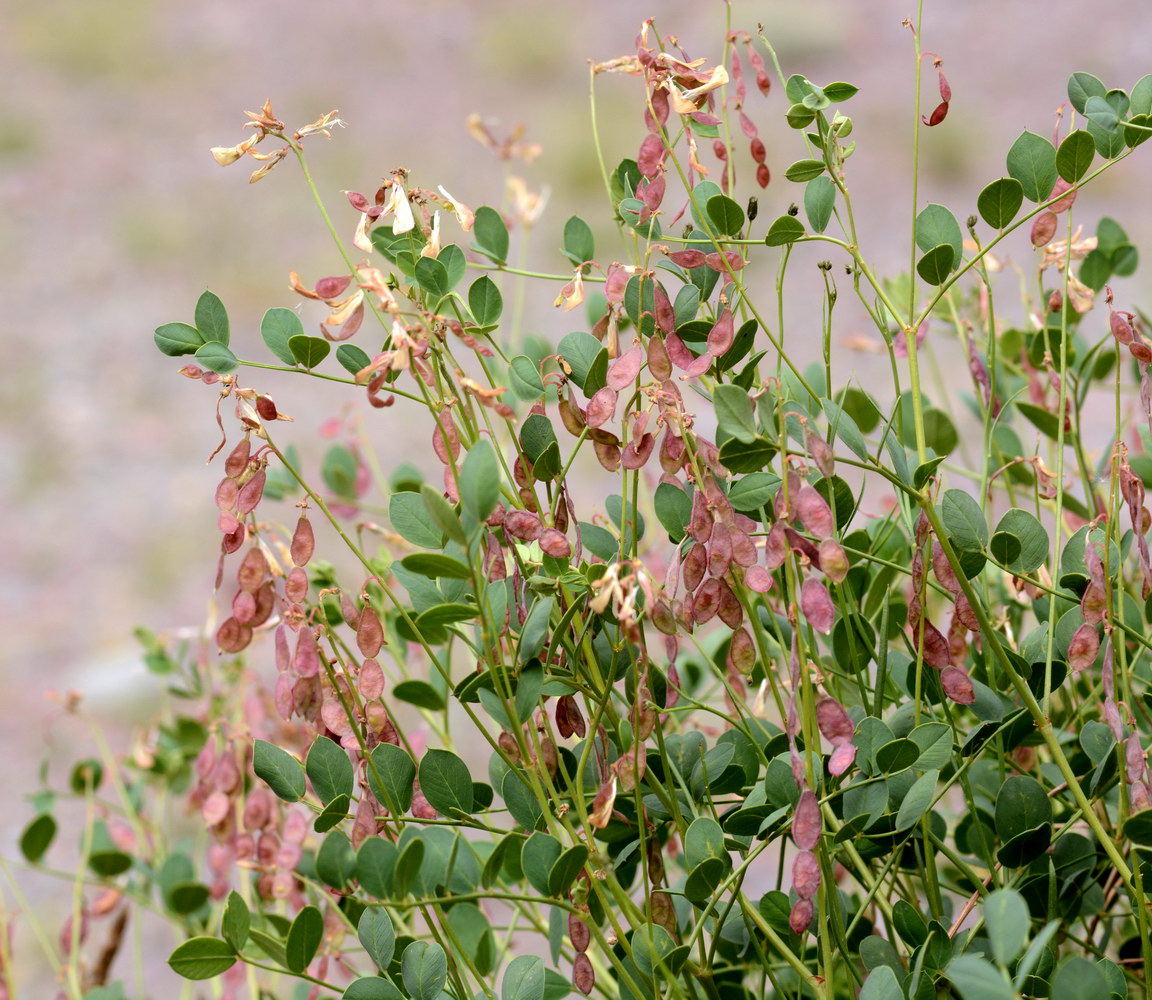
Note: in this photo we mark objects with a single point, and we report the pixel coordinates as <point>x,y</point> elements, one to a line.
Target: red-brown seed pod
<point>369,632</point>
<point>583,975</point>
<point>742,652</point>
<point>233,636</point>
<point>571,416</point>
<point>555,543</point>
<point>303,542</point>
<point>759,153</point>
<point>243,607</point>
<point>231,541</point>
<point>251,493</point>
<point>296,585</point>
<point>814,512</point>
<point>445,438</point>
<point>806,875</point>
<point>707,601</point>
<point>371,680</point>
<point>758,579</point>
<point>578,933</point>
<point>687,258</point>
<point>936,651</point>
<point>636,455</point>
<point>841,759</point>
<point>523,525</point>
<point>806,822</point>
<point>729,260</point>
<point>763,175</point>
<point>226,493</point>
<point>608,455</point>
<point>720,550</point>
<point>694,566</point>
<point>237,460</point>
<point>306,662</point>
<point>266,408</point>
<point>1043,229</point>
<point>833,560</point>
<point>1065,203</point>
<point>252,570</point>
<point>816,603</point>
<point>834,722</point>
<point>1121,328</point>
<point>958,685</point>
<point>651,154</point>
<point>1083,647</point>
<point>602,406</point>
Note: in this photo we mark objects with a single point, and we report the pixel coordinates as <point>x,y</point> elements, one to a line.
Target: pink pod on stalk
<point>1083,648</point>
<point>834,723</point>
<point>602,407</point>
<point>958,685</point>
<point>303,542</point>
<point>813,511</point>
<point>624,369</point>
<point>816,603</point>
<point>806,875</point>
<point>800,917</point>
<point>806,822</point>
<point>555,543</point>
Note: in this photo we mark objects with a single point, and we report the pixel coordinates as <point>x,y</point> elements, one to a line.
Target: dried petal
<point>602,805</point>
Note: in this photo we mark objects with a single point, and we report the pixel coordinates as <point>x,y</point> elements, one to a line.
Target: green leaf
<point>377,935</point>
<point>936,225</point>
<point>935,266</point>
<point>339,470</point>
<point>1033,540</point>
<point>786,229</point>
<point>409,517</point>
<point>673,509</point>
<point>352,358</point>
<point>308,351</point>
<point>535,628</point>
<point>566,869</point>
<point>432,276</point>
<point>37,837</point>
<point>442,513</point>
<point>491,234</point>
<point>1077,978</point>
<point>918,800</point>
<point>819,198</point>
<point>1141,97</point>
<point>754,491</point>
<point>1100,113</point>
<point>390,776</point>
<point>424,967</point>
<point>521,803</point>
<point>840,91</point>
<point>1008,922</point>
<point>541,851</point>
<point>1138,828</point>
<point>329,769</point>
<point>1081,86</point>
<point>217,357</point>
<point>999,202</point>
<point>1075,156</point>
<point>734,412</point>
<point>277,328</point>
<point>529,684</point>
<point>525,379</point>
<point>436,565</point>
<point>212,318</point>
<point>419,693</point>
<point>336,860</point>
<point>703,842</point>
<point>376,859</point>
<point>202,958</point>
<point>304,937</point>
<point>371,988</point>
<point>881,984</point>
<point>480,480</point>
<point>1043,420</point>
<point>236,922</point>
<point>964,520</point>
<point>282,772</point>
<point>977,979</point>
<point>725,214</point>
<point>523,979</point>
<point>455,264</point>
<point>485,301</point>
<point>333,814</point>
<point>1032,161</point>
<point>176,339</point>
<point>446,783</point>
<point>804,170</point>
<point>585,355</point>
<point>1021,805</point>
<point>579,245</point>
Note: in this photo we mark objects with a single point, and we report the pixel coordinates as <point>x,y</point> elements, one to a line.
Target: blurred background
<point>114,217</point>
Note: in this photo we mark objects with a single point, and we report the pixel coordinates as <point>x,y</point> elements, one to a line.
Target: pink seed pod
<point>958,685</point>
<point>237,460</point>
<point>707,601</point>
<point>233,636</point>
<point>243,607</point>
<point>965,615</point>
<point>369,632</point>
<point>677,352</point>
<point>806,822</point>
<point>722,334</point>
<point>813,511</point>
<point>253,569</point>
<point>842,758</point>
<point>607,454</point>
<point>663,617</point>
<point>296,585</point>
<point>742,652</point>
<point>687,258</point>
<point>1093,604</point>
<point>776,546</point>
<point>332,287</point>
<point>370,683</point>
<point>720,550</point>
<point>694,565</point>
<point>651,192</point>
<point>1064,203</point>
<point>265,599</point>
<point>1083,647</point>
<point>664,312</point>
<point>1043,229</point>
<point>636,455</point>
<point>226,494</point>
<point>800,918</point>
<point>578,933</point>
<point>571,416</point>
<point>625,369</point>
<point>555,543</point>
<point>523,525</point>
<point>659,365</point>
<point>673,454</point>
<point>602,406</point>
<point>306,662</point>
<point>758,579</point>
<point>821,452</point>
<point>816,603</point>
<point>651,154</point>
<point>445,438</point>
<point>1119,323</point>
<point>583,975</point>
<point>730,611</point>
<point>1141,352</point>
<point>758,152</point>
<point>835,725</point>
<point>303,542</point>
<point>937,653</point>
<point>763,175</point>
<point>943,570</point>
<point>231,542</point>
<point>282,696</point>
<point>251,493</point>
<point>729,260</point>
<point>833,560</point>
<point>806,875</point>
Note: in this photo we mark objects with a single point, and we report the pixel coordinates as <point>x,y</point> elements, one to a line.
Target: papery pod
<point>800,917</point>
<point>579,933</point>
<point>694,566</point>
<point>743,548</point>
<point>251,493</point>
<point>663,618</point>
<point>243,607</point>
<point>776,546</point>
<point>233,636</point>
<point>569,719</point>
<point>624,369</point>
<point>306,662</point>
<point>602,804</point>
<point>1083,648</point>
<point>965,615</point>
<point>742,652</point>
<point>1134,761</point>
<point>813,511</point>
<point>730,610</point>
<point>608,455</point>
<point>369,632</point>
<point>237,460</point>
<point>806,875</point>
<point>583,975</point>
<point>806,822</point>
<point>943,570</point>
<point>816,603</point>
<point>958,685</point>
<point>232,541</point>
<point>602,407</point>
<point>720,550</point>
<point>707,601</point>
<point>445,438</point>
<point>758,579</point>
<point>523,525</point>
<point>659,365</point>
<point>554,543</point>
<point>636,456</point>
<point>571,416</point>
<point>841,759</point>
<point>936,651</point>
<point>371,680</point>
<point>834,723</point>
<point>821,453</point>
<point>253,568</point>
<point>227,492</point>
<point>303,542</point>
<point>296,585</point>
<point>833,560</point>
